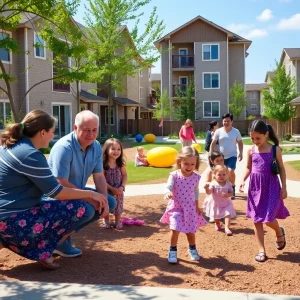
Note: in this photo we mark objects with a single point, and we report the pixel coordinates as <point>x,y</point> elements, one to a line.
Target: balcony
<point>182,61</point>
<point>179,89</point>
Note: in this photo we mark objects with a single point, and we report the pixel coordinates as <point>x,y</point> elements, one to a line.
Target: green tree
<point>115,52</point>
<point>282,90</point>
<point>237,101</point>
<point>11,13</point>
<point>184,103</point>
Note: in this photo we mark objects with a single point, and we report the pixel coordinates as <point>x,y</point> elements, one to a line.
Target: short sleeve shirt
<point>24,178</point>
<point>68,160</point>
<point>227,141</point>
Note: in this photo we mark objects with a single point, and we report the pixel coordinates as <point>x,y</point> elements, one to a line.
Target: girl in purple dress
<point>265,195</point>
<point>183,213</point>
<point>116,177</point>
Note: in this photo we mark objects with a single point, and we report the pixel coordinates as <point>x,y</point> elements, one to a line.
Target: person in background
<point>140,158</point>
<point>186,133</point>
<point>29,226</point>
<point>73,159</point>
<point>213,126</point>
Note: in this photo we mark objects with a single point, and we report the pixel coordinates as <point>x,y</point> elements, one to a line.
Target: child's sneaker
<point>233,196</point>
<point>194,254</point>
<point>172,257</point>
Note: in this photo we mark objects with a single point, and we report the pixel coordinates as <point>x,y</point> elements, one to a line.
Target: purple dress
<point>181,212</point>
<point>264,201</point>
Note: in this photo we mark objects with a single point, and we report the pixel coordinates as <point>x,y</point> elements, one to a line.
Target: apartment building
<point>210,55</point>
<point>254,97</point>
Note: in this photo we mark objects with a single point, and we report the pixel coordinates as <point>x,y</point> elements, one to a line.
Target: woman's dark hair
<point>212,124</point>
<point>120,161</point>
<point>213,156</point>
<point>261,127</point>
<point>32,123</point>
<point>228,115</point>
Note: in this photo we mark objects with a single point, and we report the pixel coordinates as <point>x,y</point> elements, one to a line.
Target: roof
<point>292,53</point>
<point>126,101</point>
<point>91,98</point>
<point>256,86</point>
<point>148,108</point>
<point>156,77</point>
<point>295,101</point>
<point>234,37</point>
<point>270,74</point>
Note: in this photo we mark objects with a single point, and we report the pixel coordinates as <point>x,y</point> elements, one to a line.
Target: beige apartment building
<point>209,54</point>
<point>254,97</point>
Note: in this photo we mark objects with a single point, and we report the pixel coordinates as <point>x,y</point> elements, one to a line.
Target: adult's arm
<point>100,183</point>
<point>240,145</point>
<point>193,136</point>
<point>181,133</point>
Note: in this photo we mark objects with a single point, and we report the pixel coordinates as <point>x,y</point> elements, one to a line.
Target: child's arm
<point>282,173</point>
<point>247,170</point>
<point>229,192</point>
<point>208,188</point>
<point>208,177</point>
<point>169,188</point>
<point>198,209</point>
<point>124,177</point>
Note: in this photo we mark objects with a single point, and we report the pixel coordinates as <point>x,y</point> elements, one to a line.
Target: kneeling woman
<point>28,226</point>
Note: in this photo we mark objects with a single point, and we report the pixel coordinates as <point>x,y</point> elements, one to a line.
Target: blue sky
<point>271,25</point>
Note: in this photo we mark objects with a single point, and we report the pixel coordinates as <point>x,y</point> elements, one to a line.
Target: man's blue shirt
<point>68,160</point>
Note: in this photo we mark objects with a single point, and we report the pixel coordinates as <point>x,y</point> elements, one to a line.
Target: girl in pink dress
<point>218,204</point>
<point>116,177</point>
<point>183,213</point>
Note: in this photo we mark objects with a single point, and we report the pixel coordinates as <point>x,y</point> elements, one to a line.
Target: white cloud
<point>292,23</point>
<point>265,16</point>
<point>236,28</point>
<point>256,34</point>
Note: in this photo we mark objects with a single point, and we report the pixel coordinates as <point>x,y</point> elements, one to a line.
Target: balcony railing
<point>183,61</point>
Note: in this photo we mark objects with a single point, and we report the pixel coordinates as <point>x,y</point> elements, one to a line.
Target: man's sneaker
<point>67,250</point>
<point>194,254</point>
<point>172,258</point>
<point>233,196</point>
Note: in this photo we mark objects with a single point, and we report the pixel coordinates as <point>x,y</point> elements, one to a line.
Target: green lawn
<point>294,164</point>
<point>149,146</point>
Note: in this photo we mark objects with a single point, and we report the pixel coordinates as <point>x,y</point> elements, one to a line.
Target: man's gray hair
<point>85,114</point>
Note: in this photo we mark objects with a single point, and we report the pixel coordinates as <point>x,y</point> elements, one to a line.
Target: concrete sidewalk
<point>31,290</point>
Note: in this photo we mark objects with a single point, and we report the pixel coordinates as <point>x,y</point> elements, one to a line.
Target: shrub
<point>250,118</point>
<point>292,139</point>
<point>174,135</point>
<point>287,137</point>
<point>200,134</point>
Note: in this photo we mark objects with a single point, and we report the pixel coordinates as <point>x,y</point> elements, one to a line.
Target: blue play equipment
<point>138,138</point>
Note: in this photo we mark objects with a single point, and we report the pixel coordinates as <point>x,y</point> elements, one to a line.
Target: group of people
<point>33,223</point>
<point>265,194</point>
<point>39,199</point>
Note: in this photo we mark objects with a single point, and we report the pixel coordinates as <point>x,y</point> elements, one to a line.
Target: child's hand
<point>224,195</point>
<point>283,193</point>
<point>206,185</point>
<point>199,210</point>
<point>242,186</point>
<point>168,196</point>
<point>119,191</point>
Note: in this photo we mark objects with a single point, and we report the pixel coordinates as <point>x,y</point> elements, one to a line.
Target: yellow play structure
<point>162,157</point>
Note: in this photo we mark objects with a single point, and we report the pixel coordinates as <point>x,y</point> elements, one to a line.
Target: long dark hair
<point>213,156</point>
<point>212,124</point>
<point>261,127</point>
<point>120,161</point>
<point>32,123</point>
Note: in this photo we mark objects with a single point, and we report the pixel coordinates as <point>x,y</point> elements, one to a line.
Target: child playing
<point>140,158</point>
<point>215,158</point>
<point>218,204</point>
<point>116,177</point>
<point>265,195</point>
<point>183,213</point>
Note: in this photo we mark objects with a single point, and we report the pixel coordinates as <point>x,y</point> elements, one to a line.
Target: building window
<point>112,119</point>
<point>141,93</point>
<point>254,107</point>
<point>141,73</point>
<point>210,52</point>
<point>211,109</point>
<point>39,44</point>
<point>62,115</point>
<point>252,95</point>
<point>5,55</point>
<point>211,80</point>
<point>5,113</point>
<point>59,65</point>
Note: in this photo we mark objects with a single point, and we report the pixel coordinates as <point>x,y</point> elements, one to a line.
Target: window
<point>211,109</point>
<point>252,95</point>
<point>210,52</point>
<point>141,73</point>
<point>5,55</point>
<point>112,119</point>
<point>141,93</point>
<point>211,80</point>
<point>254,107</point>
<point>39,44</point>
<point>62,115</point>
<point>62,64</point>
<point>5,113</point>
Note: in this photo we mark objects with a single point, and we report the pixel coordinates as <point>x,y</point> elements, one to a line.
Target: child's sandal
<point>119,225</point>
<point>105,225</point>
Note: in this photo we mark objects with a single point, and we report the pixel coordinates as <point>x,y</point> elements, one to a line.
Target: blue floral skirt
<point>35,233</point>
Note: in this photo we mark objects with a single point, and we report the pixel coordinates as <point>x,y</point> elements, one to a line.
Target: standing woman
<point>28,226</point>
<point>213,126</point>
<point>186,133</point>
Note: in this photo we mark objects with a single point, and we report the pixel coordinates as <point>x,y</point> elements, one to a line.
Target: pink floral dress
<point>181,212</point>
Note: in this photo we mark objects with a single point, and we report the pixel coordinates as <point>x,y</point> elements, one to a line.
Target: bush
<point>244,133</point>
<point>200,135</point>
<point>250,118</point>
<point>174,135</point>
<point>292,140</point>
<point>287,137</point>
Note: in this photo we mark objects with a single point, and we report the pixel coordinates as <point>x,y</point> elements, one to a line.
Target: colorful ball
<point>138,138</point>
<point>150,138</point>
<point>162,157</point>
<point>197,147</point>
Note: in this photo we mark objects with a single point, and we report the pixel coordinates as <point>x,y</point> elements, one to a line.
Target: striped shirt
<point>24,177</point>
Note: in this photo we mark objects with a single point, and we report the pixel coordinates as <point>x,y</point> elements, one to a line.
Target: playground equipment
<point>150,138</point>
<point>138,138</point>
<point>162,157</point>
<point>197,147</point>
